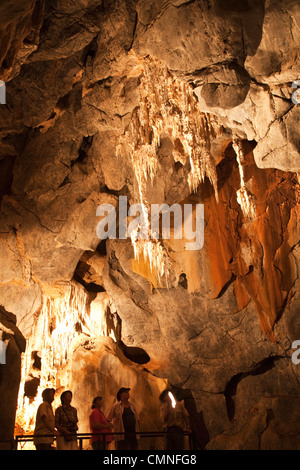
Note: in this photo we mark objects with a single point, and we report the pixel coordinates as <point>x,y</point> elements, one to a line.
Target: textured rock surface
<point>101,369</point>
<point>273,424</point>
<point>75,78</point>
<point>10,374</point>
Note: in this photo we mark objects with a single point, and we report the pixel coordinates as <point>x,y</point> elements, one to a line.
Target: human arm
<point>98,421</point>
<point>48,425</point>
<point>165,412</point>
<point>75,427</point>
<point>45,419</point>
<point>61,429</point>
<point>111,414</point>
<point>98,425</point>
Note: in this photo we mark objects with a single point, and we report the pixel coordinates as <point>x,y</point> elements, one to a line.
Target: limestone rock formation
<point>181,102</point>
<point>101,369</point>
<point>12,346</point>
<point>272,425</point>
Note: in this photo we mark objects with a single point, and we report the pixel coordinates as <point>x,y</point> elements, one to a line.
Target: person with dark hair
<point>99,425</point>
<point>44,430</point>
<point>176,420</point>
<point>66,422</point>
<point>125,420</point>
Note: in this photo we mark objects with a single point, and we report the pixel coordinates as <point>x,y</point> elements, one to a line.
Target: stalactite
<point>63,319</point>
<point>244,199</point>
<point>156,254</point>
<point>167,105</point>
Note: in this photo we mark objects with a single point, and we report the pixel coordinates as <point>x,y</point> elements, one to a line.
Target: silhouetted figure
<point>175,419</point>
<point>66,423</point>
<point>45,422</point>
<point>99,425</point>
<point>125,419</point>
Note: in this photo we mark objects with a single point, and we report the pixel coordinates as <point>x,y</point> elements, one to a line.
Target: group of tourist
<point>121,424</point>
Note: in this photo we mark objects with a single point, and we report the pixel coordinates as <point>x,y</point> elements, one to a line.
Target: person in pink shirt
<point>99,425</point>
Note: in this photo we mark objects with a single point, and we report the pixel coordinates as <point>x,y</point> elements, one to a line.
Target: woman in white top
<point>125,420</point>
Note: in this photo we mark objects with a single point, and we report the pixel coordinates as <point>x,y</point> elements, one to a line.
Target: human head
<point>48,395</point>
<point>66,397</point>
<point>97,403</point>
<point>123,394</point>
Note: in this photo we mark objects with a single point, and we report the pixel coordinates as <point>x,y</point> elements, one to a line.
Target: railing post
<point>191,441</point>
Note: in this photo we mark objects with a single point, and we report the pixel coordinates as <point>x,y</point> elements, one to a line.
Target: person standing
<point>125,420</point>
<point>66,423</point>
<point>99,425</point>
<point>44,430</point>
<point>176,420</point>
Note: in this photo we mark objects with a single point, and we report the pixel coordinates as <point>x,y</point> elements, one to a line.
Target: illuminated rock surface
<point>161,102</point>
<point>101,366</point>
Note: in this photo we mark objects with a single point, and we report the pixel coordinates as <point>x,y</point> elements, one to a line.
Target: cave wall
<point>234,331</point>
<point>101,369</point>
<point>73,73</point>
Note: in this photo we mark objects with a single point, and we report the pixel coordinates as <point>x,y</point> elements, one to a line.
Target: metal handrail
<point>83,436</point>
